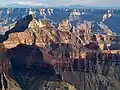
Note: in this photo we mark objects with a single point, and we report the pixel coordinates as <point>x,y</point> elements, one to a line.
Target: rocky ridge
<point>43,32</point>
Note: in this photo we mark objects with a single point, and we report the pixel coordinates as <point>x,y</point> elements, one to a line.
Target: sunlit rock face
<point>39,23</point>
<point>19,33</point>
<point>64,25</point>
<point>29,31</point>
<point>84,31</point>
<point>19,38</point>
<point>42,33</point>
<point>64,31</point>
<point>68,34</point>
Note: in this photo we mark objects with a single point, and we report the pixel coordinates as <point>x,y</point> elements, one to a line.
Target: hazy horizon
<point>95,3</point>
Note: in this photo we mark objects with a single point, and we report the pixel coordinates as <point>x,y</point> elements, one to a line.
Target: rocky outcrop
<point>84,31</point>
<point>6,82</point>
<point>40,23</point>
<point>64,25</point>
<point>11,84</point>
<point>42,33</point>
<point>17,38</point>
<point>29,31</point>
<point>51,85</point>
<point>107,15</point>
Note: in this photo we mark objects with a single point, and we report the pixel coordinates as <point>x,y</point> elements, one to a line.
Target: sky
<point>111,3</point>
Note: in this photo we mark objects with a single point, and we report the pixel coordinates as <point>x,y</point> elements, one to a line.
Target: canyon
<point>45,56</point>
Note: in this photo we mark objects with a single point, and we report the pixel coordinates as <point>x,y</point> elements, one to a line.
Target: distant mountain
<point>34,5</point>
<point>72,6</point>
<point>24,5</point>
<point>88,7</point>
<point>38,5</point>
<point>17,5</point>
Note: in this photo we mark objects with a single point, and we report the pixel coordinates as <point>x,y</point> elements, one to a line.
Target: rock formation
<point>85,31</point>
<point>64,26</point>
<point>38,51</point>
<point>30,67</point>
<point>42,33</point>
<point>6,82</point>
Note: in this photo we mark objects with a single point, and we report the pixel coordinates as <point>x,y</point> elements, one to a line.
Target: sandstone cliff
<point>42,33</point>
